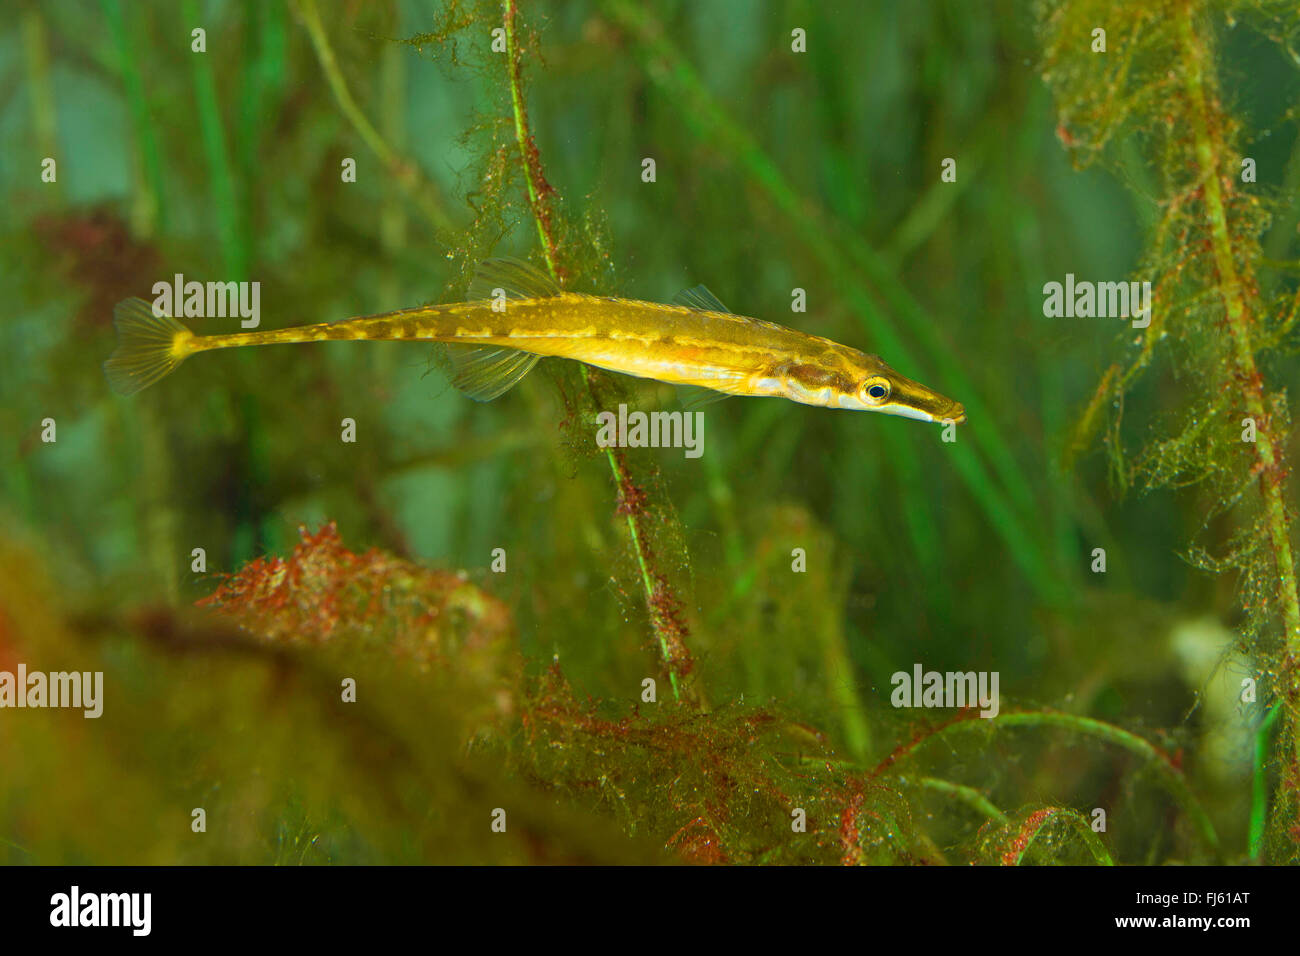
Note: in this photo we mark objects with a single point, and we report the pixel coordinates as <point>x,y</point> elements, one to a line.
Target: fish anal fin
<point>513,278</point>
<point>485,372</point>
<point>700,298</point>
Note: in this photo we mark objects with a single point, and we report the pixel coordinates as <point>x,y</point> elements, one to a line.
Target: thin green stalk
<point>36,43</point>
<point>852,716</point>
<point>260,93</point>
<point>1259,784</point>
<point>537,190</point>
<point>392,219</point>
<point>393,214</point>
<point>967,795</point>
<point>234,253</point>
<point>149,213</point>
<point>19,847</point>
<point>934,205</point>
<point>837,660</point>
<point>421,190</point>
<point>662,603</point>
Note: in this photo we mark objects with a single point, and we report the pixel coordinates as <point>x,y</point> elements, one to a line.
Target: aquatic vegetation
<point>375,603</point>
<point>1160,88</point>
<point>355,618</point>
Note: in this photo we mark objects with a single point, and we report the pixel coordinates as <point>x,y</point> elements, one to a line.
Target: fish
<point>515,314</point>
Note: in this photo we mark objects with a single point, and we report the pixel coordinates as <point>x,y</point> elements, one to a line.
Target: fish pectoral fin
<point>513,278</point>
<point>718,384</point>
<point>485,372</point>
<point>693,397</point>
<point>700,298</point>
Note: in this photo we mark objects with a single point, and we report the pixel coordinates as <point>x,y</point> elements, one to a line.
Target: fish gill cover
<point>343,615</point>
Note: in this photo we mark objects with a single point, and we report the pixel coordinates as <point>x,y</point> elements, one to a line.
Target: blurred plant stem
<point>663,605</point>
<point>149,209</point>
<point>44,120</point>
<point>1011,509</point>
<point>967,795</point>
<point>1259,784</point>
<point>392,216</point>
<point>260,98</point>
<point>407,174</point>
<point>539,190</point>
<point>234,250</point>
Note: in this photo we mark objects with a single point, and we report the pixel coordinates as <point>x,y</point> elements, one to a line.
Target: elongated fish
<point>517,314</point>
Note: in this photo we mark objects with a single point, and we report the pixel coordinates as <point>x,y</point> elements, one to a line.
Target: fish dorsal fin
<point>514,278</point>
<point>485,372</point>
<point>702,299</point>
<point>699,298</point>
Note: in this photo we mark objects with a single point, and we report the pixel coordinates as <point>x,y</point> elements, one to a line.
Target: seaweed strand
<point>961,792</point>
<point>1205,252</point>
<point>406,173</point>
<point>662,603</point>
<point>1241,320</point>
<point>1037,823</point>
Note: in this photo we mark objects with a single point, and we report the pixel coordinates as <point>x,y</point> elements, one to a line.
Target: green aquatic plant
<point>633,658</point>
<point>652,526</point>
<point>1222,427</point>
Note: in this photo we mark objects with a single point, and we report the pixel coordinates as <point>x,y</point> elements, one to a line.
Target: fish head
<point>878,388</point>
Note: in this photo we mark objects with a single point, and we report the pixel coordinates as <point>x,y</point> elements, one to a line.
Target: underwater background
<point>464,632</point>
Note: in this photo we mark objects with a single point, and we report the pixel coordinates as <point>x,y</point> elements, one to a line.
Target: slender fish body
<point>516,314</point>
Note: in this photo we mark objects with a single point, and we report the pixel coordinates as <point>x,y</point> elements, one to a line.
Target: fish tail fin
<point>149,347</point>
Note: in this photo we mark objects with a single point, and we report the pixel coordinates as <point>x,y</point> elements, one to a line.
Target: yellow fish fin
<point>699,298</point>
<point>485,372</point>
<point>148,347</point>
<point>514,278</point>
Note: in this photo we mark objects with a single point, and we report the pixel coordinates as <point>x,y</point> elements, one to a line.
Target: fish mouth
<point>913,400</point>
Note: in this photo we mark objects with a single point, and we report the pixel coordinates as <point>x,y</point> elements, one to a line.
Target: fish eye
<point>876,389</point>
